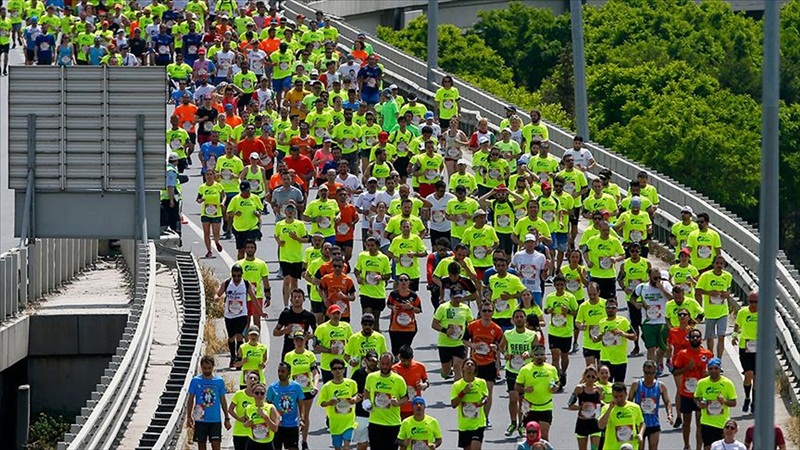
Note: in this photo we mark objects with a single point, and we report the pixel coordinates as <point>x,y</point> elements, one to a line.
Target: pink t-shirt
<point>322,158</point>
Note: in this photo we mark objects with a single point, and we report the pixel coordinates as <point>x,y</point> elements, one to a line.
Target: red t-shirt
<point>477,332</point>
<point>306,145</point>
<point>692,376</point>
<point>679,339</point>
<point>412,374</point>
<point>748,436</point>
<point>349,218</point>
<point>246,146</point>
<point>403,320</point>
<point>302,165</point>
<point>333,285</point>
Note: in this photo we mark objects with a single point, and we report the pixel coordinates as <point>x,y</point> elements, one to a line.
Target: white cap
<point>255,155</point>
<point>687,209</point>
<point>665,275</point>
<point>529,237</point>
<point>483,139</point>
<point>394,86</point>
<point>463,161</point>
<point>173,157</point>
<point>479,212</point>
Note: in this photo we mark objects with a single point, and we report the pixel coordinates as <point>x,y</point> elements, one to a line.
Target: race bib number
<point>520,213</point>
<point>66,60</point>
<point>438,216</point>
<point>175,144</point>
<point>372,82</point>
<point>704,251</point>
<point>453,153</point>
<point>255,185</point>
<point>192,49</point>
<point>525,407</point>
<point>404,319</point>
<point>382,400</point>
<point>163,49</point>
<point>690,385</point>
<point>372,141</point>
<point>246,84</point>
<point>470,410</point>
<point>342,305</point>
<point>624,433</point>
<point>569,187</point>
<point>714,408</point>
<point>716,300</point>
<point>455,333</point>
<point>460,221</point>
<point>482,348</point>
<point>342,229</point>
<point>266,160</point>
<point>750,346</point>
<point>199,413</point>
<point>319,132</point>
<point>227,174</point>
<point>503,220</point>
<point>44,46</point>
<point>609,339</point>
<point>447,104</point>
<point>257,65</point>
<point>406,261</point>
<point>494,174</point>
<point>431,174</point>
<point>648,405</point>
<point>337,347</point>
<point>558,320</point>
<point>235,307</point>
<point>517,361</point>
<point>605,262</point>
<point>479,252</point>
<point>208,126</point>
<point>348,143</point>
<point>543,176</point>
<point>260,432</point>
<point>211,210</point>
<point>284,66</point>
<point>343,406</point>
<point>187,126</point>
<point>636,236</point>
<point>419,445</point>
<point>527,271</point>
<point>411,391</point>
<point>588,410</point>
<point>325,222</point>
<point>373,278</point>
<point>501,305</point>
<point>402,146</point>
<point>573,285</point>
<point>548,216</point>
<point>594,331</point>
<point>654,312</point>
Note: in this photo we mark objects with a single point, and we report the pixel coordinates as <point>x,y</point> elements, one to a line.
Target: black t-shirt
<point>211,113</point>
<point>304,319</point>
<point>138,46</point>
<point>463,284</point>
<point>360,377</point>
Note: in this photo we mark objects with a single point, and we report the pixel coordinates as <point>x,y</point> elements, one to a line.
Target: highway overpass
<point>461,13</point>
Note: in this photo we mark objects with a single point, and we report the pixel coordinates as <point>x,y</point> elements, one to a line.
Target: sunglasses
<point>730,427</point>
<point>404,280</point>
<point>486,310</point>
<point>683,314</point>
<point>611,307</point>
<point>337,368</point>
<point>634,250</point>
<point>752,301</point>
<point>260,394</point>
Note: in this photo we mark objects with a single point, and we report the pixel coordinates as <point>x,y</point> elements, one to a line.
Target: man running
<point>648,393</point>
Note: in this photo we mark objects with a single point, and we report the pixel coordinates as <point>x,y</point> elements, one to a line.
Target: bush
<point>47,431</point>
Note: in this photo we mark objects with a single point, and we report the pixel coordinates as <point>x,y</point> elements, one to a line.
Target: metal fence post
<point>23,416</point>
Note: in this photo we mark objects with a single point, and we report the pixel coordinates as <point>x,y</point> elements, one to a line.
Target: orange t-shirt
<point>269,151</point>
<point>692,376</point>
<point>403,320</point>
<point>306,145</point>
<point>334,285</point>
<point>295,98</point>
<point>679,339</point>
<point>275,182</point>
<point>348,218</point>
<point>413,374</point>
<point>477,332</point>
<point>269,45</point>
<point>234,120</point>
<point>187,114</point>
<point>327,268</point>
<point>246,146</point>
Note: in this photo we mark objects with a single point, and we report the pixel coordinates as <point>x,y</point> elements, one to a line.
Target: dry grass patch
<point>215,344</point>
<point>214,309</point>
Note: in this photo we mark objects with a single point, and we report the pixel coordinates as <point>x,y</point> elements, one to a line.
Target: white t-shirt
<point>346,70</point>
<point>654,303</point>
<point>529,268</point>
<point>236,299</point>
<point>581,157</point>
<point>721,445</point>
<point>387,198</point>
<point>201,92</point>
<point>263,96</point>
<point>351,182</point>
<point>256,60</point>
<point>439,221</point>
<point>363,203</point>
<point>224,63</point>
<point>379,229</point>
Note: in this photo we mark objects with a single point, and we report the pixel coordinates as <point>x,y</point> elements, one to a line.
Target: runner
<point>252,356</point>
<point>419,430</point>
<point>244,211</point>
<point>713,291</point>
<point>537,381</point>
<point>632,273</point>
<point>468,396</point>
<point>690,365</point>
<point>372,271</point>
<point>337,288</point>
<point>211,197</point>
<point>386,392</point>
<point>613,332</point>
<point>365,340</point>
<point>745,332</point>
<point>257,273</point>
<point>415,376</point>
<point>622,420</point>
<point>482,338</point>
<point>290,234</point>
<point>286,396</point>
<point>207,404</point>
<point>331,337</point>
<point>235,292</point>
<point>517,346</point>
<point>601,253</point>
<point>715,395</point>
<point>404,305</point>
<point>704,244</point>
<point>262,419</point>
<point>588,320</point>
<point>648,393</point>
<point>587,399</point>
<point>562,308</point>
<point>652,297</point>
<point>678,340</point>
<point>240,400</point>
<point>338,396</point>
<point>361,435</point>
<point>450,319</point>
<point>294,319</point>
<point>531,265</point>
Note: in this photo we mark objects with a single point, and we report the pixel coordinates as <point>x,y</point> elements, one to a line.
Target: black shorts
<point>4,48</point>
<point>487,372</point>
<point>183,163</point>
<point>243,236</point>
<point>687,405</point>
<point>586,427</point>
<point>292,269</point>
<point>589,353</point>
<point>308,395</point>
<point>748,360</point>
<point>511,380</point>
<point>401,165</point>
<point>317,307</point>
<point>651,430</point>
<point>446,354</point>
<point>465,438</point>
<point>575,216</point>
<point>539,416</point>
<point>30,54</point>
<point>710,434</point>
<point>236,325</point>
<point>365,152</point>
<point>383,436</point>
<point>561,343</point>
<point>345,244</point>
<point>376,304</point>
<point>207,431</point>
<point>287,437</point>
<point>205,219</point>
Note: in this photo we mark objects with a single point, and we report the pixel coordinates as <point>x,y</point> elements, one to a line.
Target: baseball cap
<point>417,401</point>
<point>327,139</point>
<point>530,237</point>
<point>229,106</point>
<point>715,362</point>
<point>244,185</point>
<point>289,206</point>
<point>201,51</point>
<point>298,335</point>
<point>333,309</point>
<point>393,87</point>
<point>387,92</point>
<point>483,140</point>
<point>383,136</point>
<point>687,209</point>
<point>253,330</point>
<point>546,185</point>
<point>323,187</point>
<point>255,155</point>
<point>686,251</point>
<point>479,212</point>
<point>372,180</point>
<point>428,115</point>
<point>506,130</point>
<point>636,202</point>
<point>173,157</point>
<point>463,161</point>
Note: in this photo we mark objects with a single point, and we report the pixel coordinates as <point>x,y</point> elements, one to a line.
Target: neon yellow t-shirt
<point>716,306</point>
<point>471,416</point>
<point>327,210</point>
<point>540,378</point>
<point>302,365</point>
<point>292,250</point>
<point>248,220</point>
<point>715,414</point>
<point>334,337</point>
<point>623,425</point>
<point>457,316</point>
<point>382,389</point>
<point>372,270</point>
<point>342,415</point>
<point>561,322</point>
<point>591,315</point>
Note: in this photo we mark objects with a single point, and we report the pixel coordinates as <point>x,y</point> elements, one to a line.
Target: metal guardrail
<point>101,420</point>
<point>166,423</point>
<point>740,240</point>
<point>28,273</point>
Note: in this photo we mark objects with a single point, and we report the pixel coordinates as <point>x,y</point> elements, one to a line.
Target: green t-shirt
<point>283,64</point>
<point>703,245</point>
<point>561,322</point>
<point>480,242</point>
<point>672,308</point>
<point>503,216</point>
<point>716,306</point>
<point>334,337</point>
<point>421,432</point>
<point>614,347</point>
<point>447,99</point>
<point>176,139</point>
<point>623,425</point>
<point>544,168</point>
<point>242,401</point>
<point>400,246</point>
<point>634,228</point>
<point>591,315</point>
<point>527,225</point>
<point>394,226</point>
<point>471,415</point>
<point>456,208</point>
<point>635,274</point>
<point>467,180</point>
<point>574,181</point>
<point>247,220</point>
<point>229,170</point>
<point>540,378</point>
<point>382,389</point>
<point>548,211</point>
<point>254,271</point>
<point>457,316</point>
<point>574,281</point>
<point>601,253</point>
<point>509,284</point>
<point>260,432</point>
<point>715,414</point>
<point>680,275</point>
<point>372,269</point>
<point>252,355</point>
<point>681,233</point>
<point>312,267</point>
<point>291,250</point>
<point>212,205</point>
<point>441,268</point>
<point>359,345</point>
<point>517,345</point>
<point>342,415</point>
<point>349,135</point>
<point>327,210</point>
<point>246,82</point>
<point>605,202</point>
<point>748,329</point>
<point>302,367</point>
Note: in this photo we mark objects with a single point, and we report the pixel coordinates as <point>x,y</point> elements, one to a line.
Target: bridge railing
<point>107,409</point>
<point>28,273</point>
<point>740,240</point>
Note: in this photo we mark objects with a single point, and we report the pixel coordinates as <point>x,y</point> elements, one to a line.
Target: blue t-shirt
<point>96,54</point>
<point>354,105</point>
<point>30,35</point>
<point>211,153</point>
<point>370,72</point>
<point>207,395</point>
<point>45,44</point>
<point>285,399</point>
<point>194,41</point>
<point>161,43</point>
<point>178,94</point>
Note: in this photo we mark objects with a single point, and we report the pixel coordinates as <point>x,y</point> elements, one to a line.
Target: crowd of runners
<point>287,127</point>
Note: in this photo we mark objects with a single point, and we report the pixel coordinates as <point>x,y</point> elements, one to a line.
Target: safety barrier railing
<point>101,420</point>
<point>28,273</point>
<point>740,240</point>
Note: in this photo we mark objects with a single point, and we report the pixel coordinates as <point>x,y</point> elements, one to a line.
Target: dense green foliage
<point>672,84</point>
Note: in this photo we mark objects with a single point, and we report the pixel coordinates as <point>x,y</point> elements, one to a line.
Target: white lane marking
<point>224,253</point>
